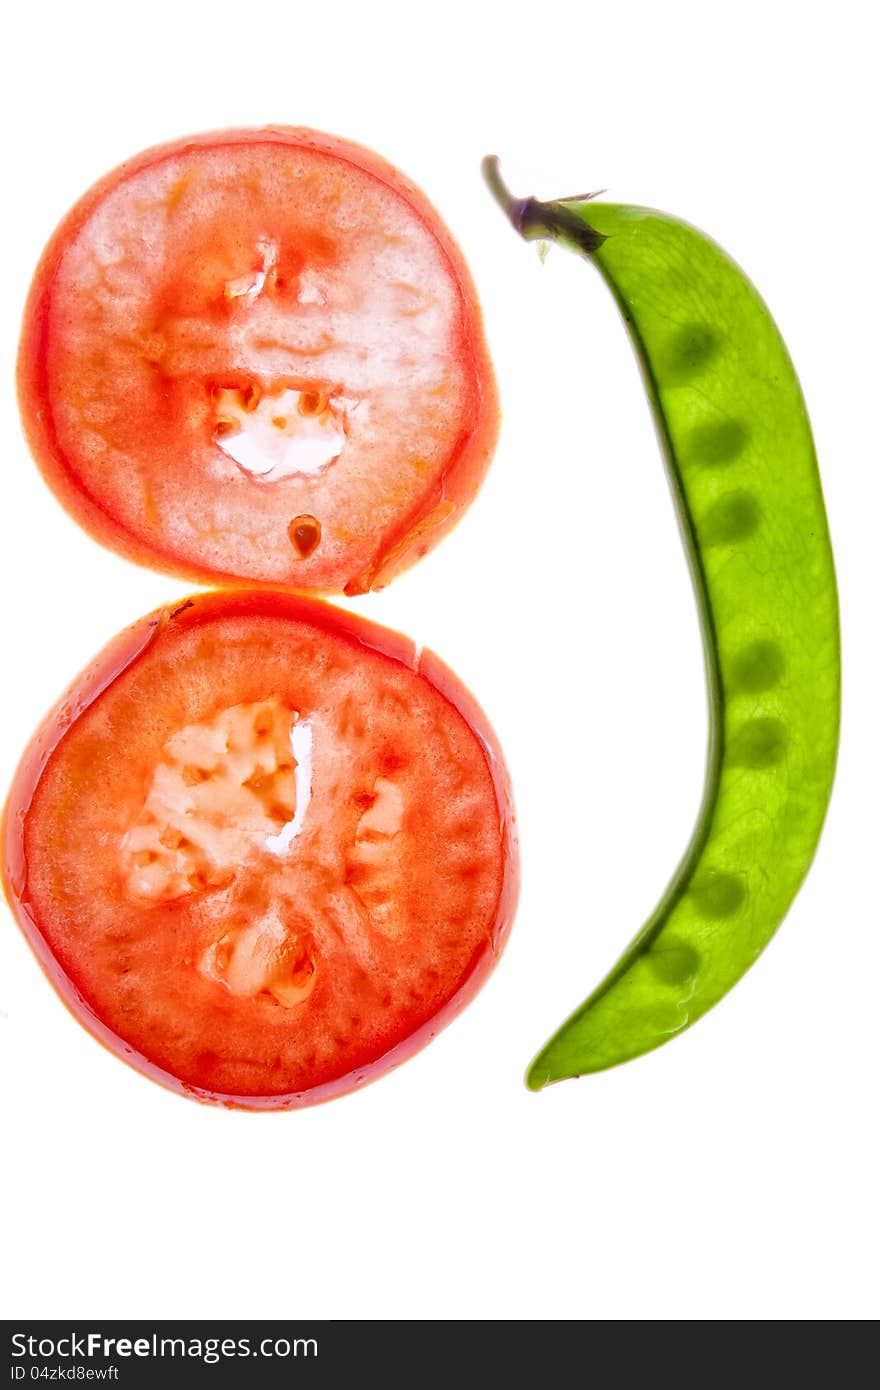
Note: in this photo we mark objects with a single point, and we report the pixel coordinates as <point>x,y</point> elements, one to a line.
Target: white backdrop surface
<point>732,1174</point>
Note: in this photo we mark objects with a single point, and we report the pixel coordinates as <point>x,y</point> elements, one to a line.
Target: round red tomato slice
<point>257,355</point>
<point>264,849</point>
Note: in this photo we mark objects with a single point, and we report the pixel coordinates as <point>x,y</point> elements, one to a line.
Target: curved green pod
<point>742,468</point>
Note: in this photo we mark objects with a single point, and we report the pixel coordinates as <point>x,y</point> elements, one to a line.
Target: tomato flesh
<point>234,332</point>
<point>264,848</point>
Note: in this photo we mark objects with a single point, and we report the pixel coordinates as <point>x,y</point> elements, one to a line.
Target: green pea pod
<point>742,468</point>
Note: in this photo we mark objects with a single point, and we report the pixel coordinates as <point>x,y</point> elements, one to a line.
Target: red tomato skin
<point>416,533</point>
<point>126,649</point>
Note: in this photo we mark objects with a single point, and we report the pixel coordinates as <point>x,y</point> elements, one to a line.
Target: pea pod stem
<point>739,454</point>
<point>536,221</point>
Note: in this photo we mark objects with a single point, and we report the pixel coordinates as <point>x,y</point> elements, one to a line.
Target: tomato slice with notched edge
<point>263,848</point>
<point>256,355</point>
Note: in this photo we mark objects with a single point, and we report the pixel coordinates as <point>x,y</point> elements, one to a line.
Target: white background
<point>732,1174</point>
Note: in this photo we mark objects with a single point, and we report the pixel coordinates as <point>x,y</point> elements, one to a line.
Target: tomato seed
<point>305,533</point>
<point>312,403</point>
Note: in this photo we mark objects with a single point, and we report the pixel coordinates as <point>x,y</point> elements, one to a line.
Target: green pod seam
<point>741,463</point>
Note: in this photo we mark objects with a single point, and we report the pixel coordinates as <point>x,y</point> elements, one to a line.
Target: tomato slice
<point>263,848</point>
<point>257,355</point>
